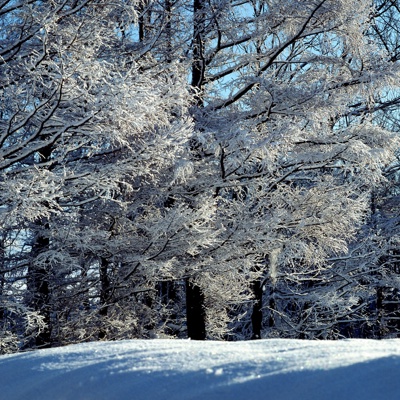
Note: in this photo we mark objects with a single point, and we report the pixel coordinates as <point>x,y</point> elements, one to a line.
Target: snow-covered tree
<point>89,140</point>
<point>286,91</point>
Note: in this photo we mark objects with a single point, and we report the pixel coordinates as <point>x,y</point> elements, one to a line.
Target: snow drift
<point>181,369</point>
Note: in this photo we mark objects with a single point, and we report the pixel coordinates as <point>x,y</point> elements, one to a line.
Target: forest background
<point>222,169</point>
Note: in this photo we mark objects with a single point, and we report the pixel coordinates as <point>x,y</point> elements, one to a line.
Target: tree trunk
<point>195,309</point>
<point>104,294</point>
<point>2,280</point>
<point>39,288</point>
<point>198,65</point>
<point>257,315</point>
<point>195,313</point>
<point>380,312</point>
<point>144,21</point>
<point>39,272</point>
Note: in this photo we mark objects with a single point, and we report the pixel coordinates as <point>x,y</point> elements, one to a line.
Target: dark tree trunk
<point>84,282</point>
<point>257,315</point>
<point>380,312</point>
<point>2,280</point>
<point>168,31</point>
<point>195,309</point>
<point>104,294</point>
<point>144,21</point>
<point>271,319</point>
<point>198,66</point>
<point>2,309</point>
<point>39,273</point>
<point>39,288</point>
<point>195,313</point>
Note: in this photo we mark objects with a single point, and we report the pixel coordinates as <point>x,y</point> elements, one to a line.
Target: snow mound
<point>184,370</point>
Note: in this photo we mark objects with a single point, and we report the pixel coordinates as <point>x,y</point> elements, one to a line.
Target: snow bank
<point>184,370</point>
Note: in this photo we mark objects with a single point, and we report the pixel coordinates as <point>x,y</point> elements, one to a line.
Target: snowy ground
<point>185,370</point>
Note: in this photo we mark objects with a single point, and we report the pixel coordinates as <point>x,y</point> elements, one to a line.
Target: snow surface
<point>181,369</point>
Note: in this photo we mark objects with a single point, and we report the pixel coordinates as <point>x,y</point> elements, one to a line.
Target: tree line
<point>211,169</point>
